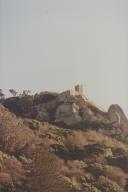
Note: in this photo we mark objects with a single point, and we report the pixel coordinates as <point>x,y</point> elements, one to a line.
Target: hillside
<point>62,142</point>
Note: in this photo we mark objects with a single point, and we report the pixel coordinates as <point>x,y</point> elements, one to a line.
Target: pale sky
<point>55,44</point>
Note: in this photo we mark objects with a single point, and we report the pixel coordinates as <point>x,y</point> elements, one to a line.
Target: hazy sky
<point>55,44</point>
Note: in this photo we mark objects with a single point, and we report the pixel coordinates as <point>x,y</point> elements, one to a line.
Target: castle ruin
<point>76,91</point>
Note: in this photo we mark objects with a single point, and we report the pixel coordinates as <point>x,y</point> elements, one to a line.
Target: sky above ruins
<point>55,44</point>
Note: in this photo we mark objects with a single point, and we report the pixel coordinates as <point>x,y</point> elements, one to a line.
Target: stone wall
<point>76,91</point>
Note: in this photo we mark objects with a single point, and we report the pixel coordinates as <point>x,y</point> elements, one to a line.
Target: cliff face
<point>117,115</point>
<point>53,107</point>
<point>70,111</point>
<point>90,145</point>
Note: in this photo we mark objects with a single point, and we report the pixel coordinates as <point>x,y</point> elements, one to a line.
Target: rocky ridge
<point>89,146</point>
<point>70,111</point>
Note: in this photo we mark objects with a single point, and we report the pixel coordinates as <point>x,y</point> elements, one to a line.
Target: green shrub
<point>45,173</point>
<point>107,185</point>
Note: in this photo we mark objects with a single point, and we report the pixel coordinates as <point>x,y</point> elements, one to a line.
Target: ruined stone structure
<point>26,93</point>
<point>66,95</point>
<point>76,91</point>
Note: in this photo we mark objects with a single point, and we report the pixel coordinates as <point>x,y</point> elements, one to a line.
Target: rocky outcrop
<point>56,108</point>
<point>120,122</point>
<point>116,115</point>
<point>23,106</point>
<point>71,110</point>
<point>19,106</point>
<point>68,113</point>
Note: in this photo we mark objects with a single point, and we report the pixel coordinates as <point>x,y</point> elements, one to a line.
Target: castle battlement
<point>76,91</point>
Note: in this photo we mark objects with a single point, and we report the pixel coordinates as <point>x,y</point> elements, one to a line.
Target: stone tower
<point>79,90</point>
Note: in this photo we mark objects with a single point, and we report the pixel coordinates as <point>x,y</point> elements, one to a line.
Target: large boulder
<point>68,113</point>
<point>117,116</point>
<point>119,121</point>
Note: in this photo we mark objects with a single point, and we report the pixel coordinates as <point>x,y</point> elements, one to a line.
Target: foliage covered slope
<point>49,143</point>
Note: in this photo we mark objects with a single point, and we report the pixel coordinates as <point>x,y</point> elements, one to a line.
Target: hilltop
<point>83,147</point>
